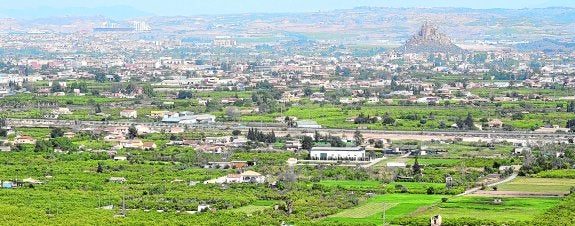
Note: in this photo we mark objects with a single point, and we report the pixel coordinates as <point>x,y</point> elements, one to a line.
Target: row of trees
<point>256,135</point>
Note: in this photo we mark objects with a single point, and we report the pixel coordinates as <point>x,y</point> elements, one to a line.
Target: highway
<point>282,128</point>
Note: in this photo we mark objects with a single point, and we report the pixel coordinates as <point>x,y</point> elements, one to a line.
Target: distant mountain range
<point>547,45</point>
<point>113,12</point>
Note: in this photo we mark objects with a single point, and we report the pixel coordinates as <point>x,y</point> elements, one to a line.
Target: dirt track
<point>486,193</point>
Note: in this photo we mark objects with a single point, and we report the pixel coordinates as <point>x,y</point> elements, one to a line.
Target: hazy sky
<point>194,7</point>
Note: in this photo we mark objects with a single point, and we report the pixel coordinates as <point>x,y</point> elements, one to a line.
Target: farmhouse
<point>24,140</point>
<point>129,114</point>
<point>337,153</point>
<point>149,145</point>
<point>245,177</point>
<point>496,123</point>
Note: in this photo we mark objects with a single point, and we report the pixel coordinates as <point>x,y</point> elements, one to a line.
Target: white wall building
<point>338,153</point>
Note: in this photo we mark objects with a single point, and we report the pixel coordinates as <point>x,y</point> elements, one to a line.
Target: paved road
<point>281,127</point>
<point>473,190</point>
<point>373,162</point>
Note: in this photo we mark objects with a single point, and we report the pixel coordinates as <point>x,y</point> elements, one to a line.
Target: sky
<point>202,7</point>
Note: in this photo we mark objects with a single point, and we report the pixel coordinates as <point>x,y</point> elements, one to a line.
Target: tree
<point>378,144</point>
<point>236,132</point>
<point>307,143</point>
<point>117,78</point>
<point>571,124</point>
<point>56,132</point>
<point>271,137</point>
<point>42,146</point>
<point>416,167</point>
<point>132,132</point>
<point>130,88</point>
<point>97,108</point>
<point>56,87</point>
<point>387,120</point>
<point>149,90</point>
<point>100,167</point>
<point>469,121</point>
<point>307,92</point>
<point>571,106</point>
<point>233,113</point>
<point>100,77</point>
<point>357,138</point>
<point>183,94</point>
<point>264,85</point>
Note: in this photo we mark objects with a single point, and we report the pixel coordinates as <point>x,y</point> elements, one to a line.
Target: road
<point>373,162</point>
<point>473,190</point>
<point>281,128</point>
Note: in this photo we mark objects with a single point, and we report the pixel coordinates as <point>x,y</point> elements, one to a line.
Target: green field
<point>418,117</point>
<point>511,209</point>
<point>524,184</point>
<point>397,205</point>
<point>364,211</point>
<point>250,209</point>
<point>352,184</point>
<point>564,173</point>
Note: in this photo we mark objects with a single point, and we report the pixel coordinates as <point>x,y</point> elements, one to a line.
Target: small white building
<point>193,119</point>
<point>308,124</point>
<point>203,207</point>
<point>129,114</point>
<point>120,158</point>
<point>245,177</point>
<point>337,153</point>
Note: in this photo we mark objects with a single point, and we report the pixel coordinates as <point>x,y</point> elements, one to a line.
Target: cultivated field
<point>515,209</point>
<point>397,205</point>
<point>548,185</point>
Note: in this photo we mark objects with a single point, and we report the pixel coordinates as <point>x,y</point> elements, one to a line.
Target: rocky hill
<point>429,40</point>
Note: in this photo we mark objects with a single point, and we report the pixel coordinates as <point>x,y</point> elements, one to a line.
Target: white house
<point>245,177</point>
<point>337,153</point>
<point>253,177</point>
<point>129,114</point>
